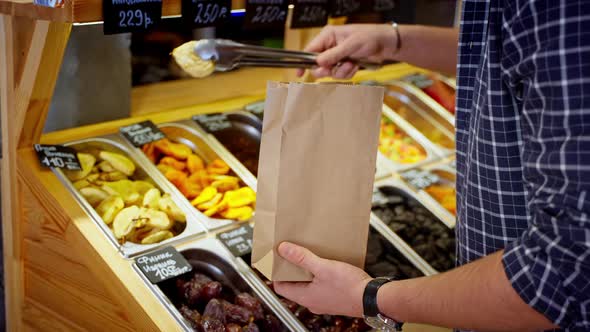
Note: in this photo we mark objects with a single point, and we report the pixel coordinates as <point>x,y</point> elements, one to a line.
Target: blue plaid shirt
<point>523,149</point>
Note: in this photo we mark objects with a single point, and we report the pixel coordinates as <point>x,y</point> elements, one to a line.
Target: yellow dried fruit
<point>226,184</point>
<point>241,197</point>
<point>87,162</point>
<point>172,162</point>
<point>123,188</point>
<point>218,166</point>
<point>112,176</point>
<point>142,187</point>
<point>243,213</point>
<point>105,166</point>
<point>194,163</point>
<point>157,237</point>
<point>126,221</point>
<point>190,62</point>
<point>155,218</point>
<point>93,195</point>
<point>151,199</point>
<point>109,208</point>
<point>206,195</point>
<point>167,205</point>
<point>119,162</point>
<point>209,204</point>
<point>217,208</point>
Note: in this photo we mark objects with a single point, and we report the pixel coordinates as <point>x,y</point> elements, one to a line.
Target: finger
<point>344,71</point>
<point>294,291</point>
<point>300,72</point>
<point>301,257</point>
<point>324,40</point>
<point>337,53</point>
<point>320,72</point>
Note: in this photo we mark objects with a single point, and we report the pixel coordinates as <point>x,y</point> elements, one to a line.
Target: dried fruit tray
<point>134,203</point>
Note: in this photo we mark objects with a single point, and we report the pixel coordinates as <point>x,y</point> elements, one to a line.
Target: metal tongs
<point>229,55</point>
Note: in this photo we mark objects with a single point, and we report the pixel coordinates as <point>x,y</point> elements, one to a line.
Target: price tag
<point>204,13</point>
<point>238,241</point>
<point>383,5</point>
<point>420,179</point>
<point>344,7</point>
<point>266,14</point>
<point>310,13</point>
<point>58,156</point>
<point>213,122</point>
<point>163,264</point>
<point>142,133</point>
<point>130,15</point>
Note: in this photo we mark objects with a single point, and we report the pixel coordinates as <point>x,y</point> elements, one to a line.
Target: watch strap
<point>370,307</point>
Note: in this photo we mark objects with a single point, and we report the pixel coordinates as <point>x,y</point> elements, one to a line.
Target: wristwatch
<point>371,313</point>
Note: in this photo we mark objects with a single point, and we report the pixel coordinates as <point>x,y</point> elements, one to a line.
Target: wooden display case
<point>61,273</point>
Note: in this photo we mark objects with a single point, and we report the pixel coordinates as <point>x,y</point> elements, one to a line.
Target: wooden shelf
<point>79,11</point>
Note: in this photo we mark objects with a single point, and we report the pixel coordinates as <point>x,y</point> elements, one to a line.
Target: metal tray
<point>413,108</point>
<point>256,108</point>
<point>242,139</point>
<point>447,174</point>
<point>186,133</point>
<point>114,143</point>
<point>386,167</point>
<point>449,118</point>
<point>210,257</point>
<point>401,189</point>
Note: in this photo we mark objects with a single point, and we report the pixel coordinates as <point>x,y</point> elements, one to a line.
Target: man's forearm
<point>475,296</point>
<point>429,47</point>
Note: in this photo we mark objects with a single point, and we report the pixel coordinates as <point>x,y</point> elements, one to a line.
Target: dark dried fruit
<point>314,324</point>
<point>210,291</point>
<point>210,324</point>
<point>251,328</point>
<point>251,303</point>
<point>290,305</point>
<point>191,315</point>
<point>236,314</point>
<point>215,310</point>
<point>270,323</point>
<point>233,328</point>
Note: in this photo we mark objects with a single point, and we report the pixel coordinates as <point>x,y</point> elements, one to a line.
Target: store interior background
<point>81,96</point>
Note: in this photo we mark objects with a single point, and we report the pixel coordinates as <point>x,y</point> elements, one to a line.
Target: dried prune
<point>251,303</point>
<point>233,328</point>
<point>236,314</point>
<point>215,309</point>
<point>270,323</point>
<point>210,324</point>
<point>290,305</point>
<point>251,328</point>
<point>210,290</point>
<point>191,315</point>
<point>314,324</point>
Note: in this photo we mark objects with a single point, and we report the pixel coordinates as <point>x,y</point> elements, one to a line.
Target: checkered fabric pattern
<point>523,149</point>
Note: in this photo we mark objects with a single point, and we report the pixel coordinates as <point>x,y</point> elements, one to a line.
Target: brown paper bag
<point>315,175</point>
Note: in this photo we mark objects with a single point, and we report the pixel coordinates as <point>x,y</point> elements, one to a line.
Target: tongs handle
<point>271,63</point>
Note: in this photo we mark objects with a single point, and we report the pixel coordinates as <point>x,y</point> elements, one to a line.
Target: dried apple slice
<point>109,208</point>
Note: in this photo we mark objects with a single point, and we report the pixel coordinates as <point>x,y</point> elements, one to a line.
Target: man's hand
<point>336,289</point>
<point>355,41</point>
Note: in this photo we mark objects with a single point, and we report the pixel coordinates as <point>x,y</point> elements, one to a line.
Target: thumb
<point>335,54</point>
<point>301,257</point>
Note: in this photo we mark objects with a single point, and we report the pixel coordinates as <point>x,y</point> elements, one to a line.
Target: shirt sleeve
<point>549,265</point>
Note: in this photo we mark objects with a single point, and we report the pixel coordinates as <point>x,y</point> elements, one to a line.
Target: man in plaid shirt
<point>523,163</point>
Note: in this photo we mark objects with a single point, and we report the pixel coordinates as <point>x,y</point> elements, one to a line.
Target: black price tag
<point>204,13</point>
<point>266,14</point>
<point>420,179</point>
<point>130,15</point>
<point>142,133</point>
<point>58,156</point>
<point>344,7</point>
<point>383,5</point>
<point>213,122</point>
<point>310,13</point>
<point>238,241</point>
<point>163,264</point>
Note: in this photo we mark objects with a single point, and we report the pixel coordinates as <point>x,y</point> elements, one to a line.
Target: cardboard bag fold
<point>315,179</point>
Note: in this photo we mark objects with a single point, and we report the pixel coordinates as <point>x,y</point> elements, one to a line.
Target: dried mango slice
<point>87,162</point>
<point>151,199</point>
<point>206,195</point>
<point>219,207</point>
<point>93,195</point>
<point>172,162</point>
<point>157,237</point>
<point>243,213</point>
<point>241,197</point>
<point>126,221</point>
<point>167,205</point>
<point>218,166</point>
<point>176,150</point>
<point>225,185</point>
<point>209,204</point>
<point>109,208</point>
<point>119,162</point>
<point>194,163</point>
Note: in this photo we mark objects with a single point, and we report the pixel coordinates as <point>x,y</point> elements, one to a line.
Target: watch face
<point>374,322</point>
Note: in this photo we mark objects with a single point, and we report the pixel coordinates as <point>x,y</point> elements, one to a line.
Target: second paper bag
<point>316,172</point>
